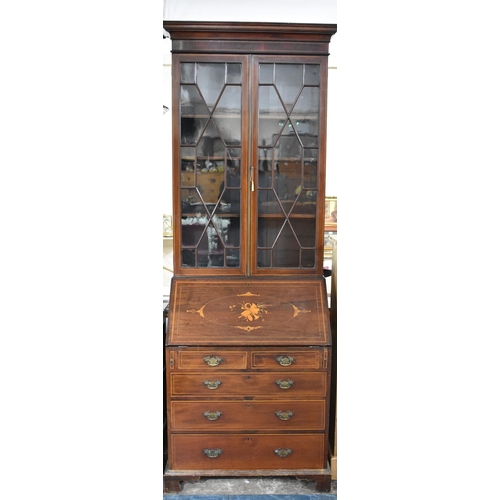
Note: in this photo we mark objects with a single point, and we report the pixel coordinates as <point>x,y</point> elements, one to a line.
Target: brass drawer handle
<point>284,415</point>
<point>212,384</point>
<point>285,360</point>
<point>212,453</point>
<point>284,384</point>
<point>212,415</point>
<point>283,453</point>
<point>213,360</point>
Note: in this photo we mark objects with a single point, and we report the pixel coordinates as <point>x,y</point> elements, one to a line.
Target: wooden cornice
<point>245,37</point>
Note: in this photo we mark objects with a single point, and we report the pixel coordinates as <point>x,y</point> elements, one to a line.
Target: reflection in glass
<point>289,81</point>
<point>266,72</point>
<point>311,74</point>
<point>288,163</point>
<point>187,73</point>
<point>234,73</point>
<point>210,164</point>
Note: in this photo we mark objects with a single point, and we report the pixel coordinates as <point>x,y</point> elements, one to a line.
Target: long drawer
<point>219,416</point>
<point>243,451</point>
<point>249,385</point>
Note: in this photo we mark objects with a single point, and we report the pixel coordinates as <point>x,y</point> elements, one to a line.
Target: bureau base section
<point>172,480</point>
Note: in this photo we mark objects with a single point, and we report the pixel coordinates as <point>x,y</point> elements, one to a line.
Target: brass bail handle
<point>213,360</point>
<point>285,360</point>
<point>212,415</point>
<point>212,453</point>
<point>212,384</point>
<point>283,452</point>
<point>284,415</point>
<point>284,384</point>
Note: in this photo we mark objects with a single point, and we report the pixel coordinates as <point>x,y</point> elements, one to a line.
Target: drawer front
<point>208,416</point>
<point>241,452</point>
<point>290,359</point>
<point>210,359</point>
<point>248,385</point>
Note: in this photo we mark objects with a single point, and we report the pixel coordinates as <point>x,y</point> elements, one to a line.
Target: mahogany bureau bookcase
<point>248,344</point>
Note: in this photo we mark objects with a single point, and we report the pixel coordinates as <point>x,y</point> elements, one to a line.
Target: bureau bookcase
<point>248,342</point>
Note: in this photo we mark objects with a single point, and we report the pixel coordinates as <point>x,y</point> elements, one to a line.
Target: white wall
<point>290,11</point>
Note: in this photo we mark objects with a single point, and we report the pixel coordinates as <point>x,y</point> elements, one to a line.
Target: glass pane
<point>192,102</point>
<point>187,72</point>
<point>210,155</point>
<point>187,153</point>
<point>191,129</point>
<point>227,116</point>
<point>287,165</point>
<point>265,159</point>
<point>305,231</point>
<point>266,73</point>
<point>310,169</point>
<point>286,252</point>
<point>268,201</point>
<point>232,258</point>
<point>205,148</point>
<point>234,159</point>
<point>272,116</point>
<point>264,258</point>
<point>210,78</point>
<point>311,74</point>
<point>289,78</point>
<point>306,203</point>
<point>229,200</point>
<point>305,115</point>
<point>268,230</point>
<point>234,73</point>
<point>308,258</point>
<point>193,233</point>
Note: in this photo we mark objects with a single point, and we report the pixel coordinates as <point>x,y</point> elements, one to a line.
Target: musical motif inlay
<point>223,311</point>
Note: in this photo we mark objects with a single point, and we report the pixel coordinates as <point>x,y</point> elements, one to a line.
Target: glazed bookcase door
<point>288,153</point>
<point>210,164</point>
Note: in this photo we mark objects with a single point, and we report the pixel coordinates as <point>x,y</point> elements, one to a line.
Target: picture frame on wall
<point>168,231</point>
<point>331,213</point>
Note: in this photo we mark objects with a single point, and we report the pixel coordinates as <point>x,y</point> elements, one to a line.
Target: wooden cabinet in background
<point>248,342</point>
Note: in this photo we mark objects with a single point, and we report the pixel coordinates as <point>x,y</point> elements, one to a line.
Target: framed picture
<point>168,231</point>
<point>331,213</point>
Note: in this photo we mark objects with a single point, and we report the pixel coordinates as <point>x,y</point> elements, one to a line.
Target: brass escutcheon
<point>284,415</point>
<point>212,453</point>
<point>284,384</point>
<point>283,453</point>
<point>212,415</point>
<point>213,360</point>
<point>285,360</point>
<point>212,384</point>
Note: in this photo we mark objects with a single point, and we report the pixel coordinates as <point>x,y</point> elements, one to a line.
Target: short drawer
<point>241,416</point>
<point>214,359</point>
<point>242,452</point>
<point>290,359</point>
<point>248,385</point>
